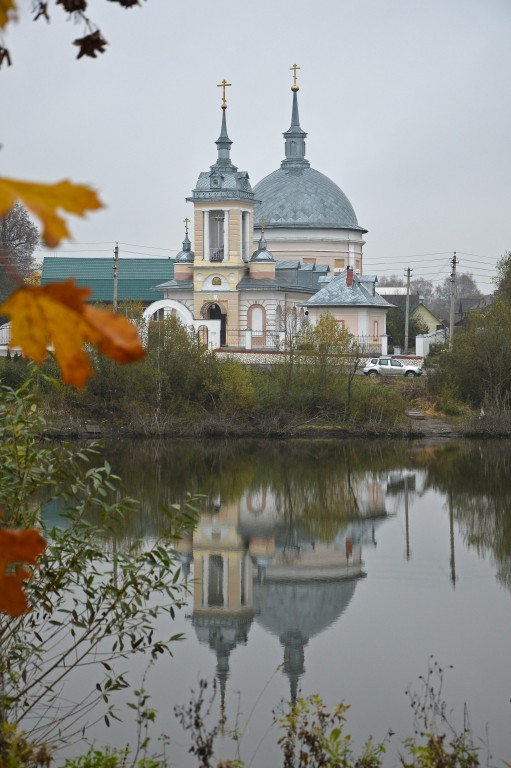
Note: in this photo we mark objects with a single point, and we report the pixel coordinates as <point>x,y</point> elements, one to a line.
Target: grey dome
<point>262,254</point>
<point>186,256</point>
<point>300,196</point>
<point>296,195</point>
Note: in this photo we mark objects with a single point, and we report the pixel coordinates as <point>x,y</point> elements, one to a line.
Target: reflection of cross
<point>295,87</point>
<point>262,222</point>
<point>186,222</point>
<point>224,84</point>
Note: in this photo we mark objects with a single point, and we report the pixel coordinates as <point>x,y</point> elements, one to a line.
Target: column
<point>245,237</point>
<point>242,254</point>
<point>206,252</point>
<point>226,235</point>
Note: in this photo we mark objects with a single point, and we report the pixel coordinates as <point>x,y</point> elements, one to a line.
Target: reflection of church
<point>307,258</point>
<point>251,564</point>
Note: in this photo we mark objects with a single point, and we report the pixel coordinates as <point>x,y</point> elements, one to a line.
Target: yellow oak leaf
<point>56,315</point>
<point>7,11</point>
<point>17,547</point>
<point>44,200</point>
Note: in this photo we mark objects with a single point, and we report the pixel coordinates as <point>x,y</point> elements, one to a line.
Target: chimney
<point>349,276</point>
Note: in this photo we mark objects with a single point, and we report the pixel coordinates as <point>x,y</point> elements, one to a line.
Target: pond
<point>343,568</point>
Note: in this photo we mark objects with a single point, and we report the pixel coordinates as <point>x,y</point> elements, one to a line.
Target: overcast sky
<point>406,103</point>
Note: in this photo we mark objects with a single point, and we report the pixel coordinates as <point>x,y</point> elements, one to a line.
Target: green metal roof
<point>136,277</point>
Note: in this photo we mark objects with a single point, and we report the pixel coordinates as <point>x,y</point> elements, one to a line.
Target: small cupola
<point>183,265</point>
<point>262,263</point>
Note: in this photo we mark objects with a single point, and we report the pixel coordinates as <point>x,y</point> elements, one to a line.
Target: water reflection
<point>286,534</point>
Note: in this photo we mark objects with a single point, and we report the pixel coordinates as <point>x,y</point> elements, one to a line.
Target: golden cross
<point>295,87</point>
<point>262,222</point>
<point>224,84</point>
<point>186,222</point>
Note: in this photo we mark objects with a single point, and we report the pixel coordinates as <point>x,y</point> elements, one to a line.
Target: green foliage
<point>181,387</point>
<point>396,327</point>
<point>17,751</point>
<point>441,745</point>
<point>503,281</point>
<point>479,366</point>
<point>90,606</point>
<point>112,758</point>
<point>314,736</point>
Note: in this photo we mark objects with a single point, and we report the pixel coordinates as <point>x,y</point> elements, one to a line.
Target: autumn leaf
<point>17,547</point>
<point>56,315</point>
<point>7,12</point>
<point>44,200</point>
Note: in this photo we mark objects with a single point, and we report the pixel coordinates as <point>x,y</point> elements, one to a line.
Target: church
<point>269,258</point>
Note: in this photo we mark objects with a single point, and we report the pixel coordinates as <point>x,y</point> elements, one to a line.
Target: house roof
<point>136,277</point>
<point>337,293</point>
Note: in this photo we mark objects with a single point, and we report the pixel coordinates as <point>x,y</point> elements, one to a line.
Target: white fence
<point>424,340</point>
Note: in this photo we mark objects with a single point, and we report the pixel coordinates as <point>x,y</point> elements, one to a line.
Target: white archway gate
<point>185,315</point>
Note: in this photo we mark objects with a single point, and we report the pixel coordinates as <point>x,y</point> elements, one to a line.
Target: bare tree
<point>19,238</point>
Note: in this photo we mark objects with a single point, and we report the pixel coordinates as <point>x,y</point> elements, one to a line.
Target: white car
<point>389,366</point>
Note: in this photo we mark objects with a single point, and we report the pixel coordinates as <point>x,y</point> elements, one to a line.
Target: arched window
<point>203,335</point>
<point>257,318</point>
<point>278,318</point>
<point>294,316</point>
<point>216,281</point>
<point>257,322</point>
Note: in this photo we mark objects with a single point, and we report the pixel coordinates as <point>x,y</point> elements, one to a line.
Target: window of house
<point>339,263</point>
<point>375,329</point>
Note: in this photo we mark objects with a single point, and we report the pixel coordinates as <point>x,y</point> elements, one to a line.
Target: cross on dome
<point>224,84</point>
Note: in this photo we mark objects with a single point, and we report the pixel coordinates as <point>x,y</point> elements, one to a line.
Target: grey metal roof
<point>336,293</point>
<point>176,285</point>
<point>289,276</point>
<point>300,196</point>
<point>296,195</point>
<point>223,181</point>
<point>186,256</point>
<point>262,253</point>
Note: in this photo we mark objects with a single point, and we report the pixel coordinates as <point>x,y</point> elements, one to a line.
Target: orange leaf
<point>45,199</point>
<point>17,547</point>
<point>7,12</point>
<point>56,315</point>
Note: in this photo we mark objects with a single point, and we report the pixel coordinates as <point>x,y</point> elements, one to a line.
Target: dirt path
<point>433,427</point>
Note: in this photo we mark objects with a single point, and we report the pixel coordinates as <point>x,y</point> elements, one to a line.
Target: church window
<point>294,316</point>
<point>278,318</point>
<point>203,335</point>
<point>293,148</point>
<point>216,281</point>
<point>339,263</point>
<point>216,581</point>
<point>257,318</point>
<point>216,235</point>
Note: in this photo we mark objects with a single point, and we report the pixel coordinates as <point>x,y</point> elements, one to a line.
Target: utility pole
<point>407,308</point>
<point>116,267</point>
<point>453,298</point>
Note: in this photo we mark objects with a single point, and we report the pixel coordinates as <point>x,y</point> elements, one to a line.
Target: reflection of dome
<point>308,607</point>
<point>296,611</point>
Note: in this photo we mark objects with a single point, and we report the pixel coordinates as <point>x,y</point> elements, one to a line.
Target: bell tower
<point>223,203</point>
